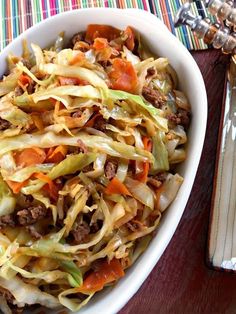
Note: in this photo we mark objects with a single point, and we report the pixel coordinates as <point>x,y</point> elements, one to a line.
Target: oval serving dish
<point>162,43</point>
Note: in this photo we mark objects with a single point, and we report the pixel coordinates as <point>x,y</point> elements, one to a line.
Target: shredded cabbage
<point>7,200</point>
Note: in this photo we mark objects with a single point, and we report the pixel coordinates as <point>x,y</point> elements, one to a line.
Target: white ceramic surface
<point>163,43</point>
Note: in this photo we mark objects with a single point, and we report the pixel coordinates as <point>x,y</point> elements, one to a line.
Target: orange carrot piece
<point>16,186</point>
<point>117,187</point>
<point>142,177</point>
<point>24,80</point>
<point>100,43</point>
<point>147,143</point>
<point>51,187</point>
<point>106,273</point>
<point>78,58</point>
<point>57,154</point>
<point>103,31</point>
<point>130,38</point>
<point>30,157</point>
<point>123,76</point>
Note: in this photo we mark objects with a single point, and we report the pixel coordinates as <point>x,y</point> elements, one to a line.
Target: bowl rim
<point>147,264</point>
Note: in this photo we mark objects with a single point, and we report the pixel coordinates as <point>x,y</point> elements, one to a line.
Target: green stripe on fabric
<point>18,15</point>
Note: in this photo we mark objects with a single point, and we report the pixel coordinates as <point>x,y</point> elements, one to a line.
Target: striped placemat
<point>18,15</point>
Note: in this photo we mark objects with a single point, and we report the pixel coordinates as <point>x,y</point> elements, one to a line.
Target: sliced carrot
<point>142,177</point>
<point>117,187</point>
<point>100,43</point>
<point>130,38</point>
<point>30,156</point>
<point>105,273</point>
<point>123,76</point>
<point>78,58</point>
<point>24,80</point>
<point>51,188</point>
<point>103,31</point>
<point>57,154</point>
<point>16,186</point>
<point>147,143</point>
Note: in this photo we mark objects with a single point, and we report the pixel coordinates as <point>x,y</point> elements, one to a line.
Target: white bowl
<point>163,43</point>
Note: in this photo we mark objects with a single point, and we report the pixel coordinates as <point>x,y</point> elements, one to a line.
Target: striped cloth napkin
<point>18,15</point>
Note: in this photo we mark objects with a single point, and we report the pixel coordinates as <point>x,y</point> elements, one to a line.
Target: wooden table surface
<point>181,282</point>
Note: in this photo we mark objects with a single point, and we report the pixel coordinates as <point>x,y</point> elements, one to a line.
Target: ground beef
<point>31,87</point>
<point>82,148</point>
<point>151,71</point>
<point>182,117</point>
<point>18,91</point>
<point>153,96</point>
<point>77,37</point>
<point>155,183</point>
<point>26,63</point>
<point>96,226</point>
<point>28,199</point>
<point>80,232</point>
<point>110,169</point>
<point>4,124</point>
<point>31,215</point>
<point>6,295</point>
<point>17,310</point>
<point>7,221</point>
<point>100,124</point>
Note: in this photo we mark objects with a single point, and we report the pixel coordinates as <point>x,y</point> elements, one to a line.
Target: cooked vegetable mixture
<point>90,136</point>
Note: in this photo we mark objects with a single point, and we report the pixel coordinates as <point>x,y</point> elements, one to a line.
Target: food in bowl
<point>90,136</point>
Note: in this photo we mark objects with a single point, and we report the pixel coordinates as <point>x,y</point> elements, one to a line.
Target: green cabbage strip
<point>9,83</point>
<point>99,143</point>
<point>7,200</point>
<point>38,53</point>
<point>14,115</point>
<point>47,276</point>
<point>69,90</point>
<point>69,165</point>
<point>75,276</point>
<point>74,210</point>
<point>19,261</point>
<point>74,71</point>
<point>72,304</point>
<point>24,69</point>
<point>93,93</point>
<point>27,294</point>
<point>25,173</point>
<point>156,114</point>
<point>160,154</point>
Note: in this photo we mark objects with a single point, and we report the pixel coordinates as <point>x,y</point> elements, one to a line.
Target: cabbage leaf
<point>27,294</point>
<point>99,143</point>
<point>7,200</point>
<point>74,71</point>
<point>160,154</point>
